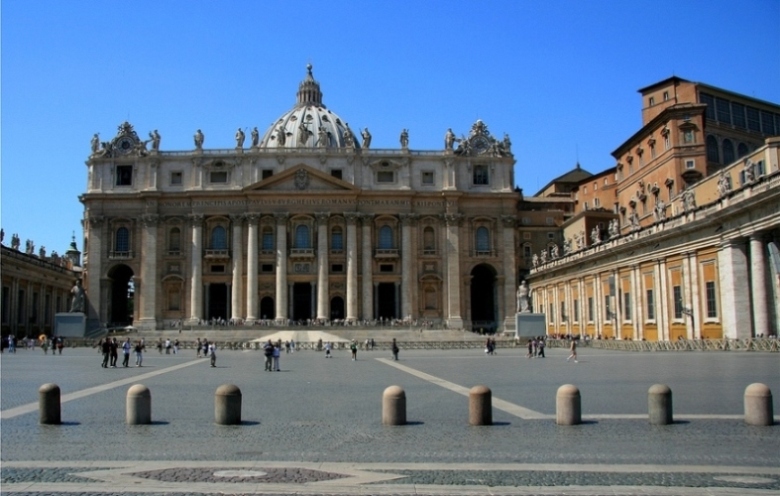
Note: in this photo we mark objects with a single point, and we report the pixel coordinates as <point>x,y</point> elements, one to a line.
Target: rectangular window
<point>481,175</point>
<point>563,311</point>
<point>337,268</point>
<point>666,95</point>
<point>34,313</point>
<point>753,122</point>
<point>6,301</point>
<point>47,309</point>
<point>738,115</point>
<point>688,136</point>
<point>218,177</point>
<point>552,313</point>
<point>427,178</point>
<point>267,268</point>
<point>20,307</point>
<point>712,302</point>
<point>607,309</point>
<point>709,101</point>
<point>627,306</point>
<point>690,164</point>
<point>758,168</point>
<point>124,175</point>
<point>268,241</point>
<point>218,269</point>
<point>386,268</point>
<point>550,235</point>
<point>678,302</point>
<point>385,177</point>
<point>267,173</point>
<point>651,102</point>
<point>590,309</point>
<point>650,305</point>
<point>723,110</point>
<point>596,203</point>
<point>576,310</point>
<point>767,123</point>
<point>527,252</point>
<point>176,178</point>
<point>337,173</point>
<point>174,299</point>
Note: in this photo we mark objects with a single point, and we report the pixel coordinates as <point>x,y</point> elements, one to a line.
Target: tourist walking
<point>126,347</point>
<point>573,349</point>
<point>327,350</point>
<point>167,346</point>
<point>540,347</point>
<point>105,348</point>
<point>199,347</point>
<point>277,355</point>
<point>353,347</point>
<point>395,350</point>
<point>139,350</point>
<point>213,354</point>
<point>268,351</point>
<point>530,353</point>
<point>114,352</point>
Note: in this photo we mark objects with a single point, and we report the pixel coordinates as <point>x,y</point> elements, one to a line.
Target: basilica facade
<point>304,222</point>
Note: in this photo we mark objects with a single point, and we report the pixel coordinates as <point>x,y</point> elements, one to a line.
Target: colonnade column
<point>734,289</point>
<point>510,271</point>
<point>322,265</point>
<point>367,269</point>
<point>636,300</point>
<point>251,268</point>
<point>196,269</point>
<point>238,267</point>
<point>149,272</point>
<point>454,319</point>
<point>663,306</point>
<point>281,266</point>
<point>758,286</point>
<point>96,306</point>
<point>407,280</point>
<point>598,314</point>
<point>695,314</point>
<point>352,273</point>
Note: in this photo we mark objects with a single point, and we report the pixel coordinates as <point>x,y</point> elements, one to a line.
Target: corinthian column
<point>367,269</point>
<point>196,269</point>
<point>238,267</point>
<point>322,265</point>
<point>149,272</point>
<point>407,271</point>
<point>510,283</point>
<point>281,266</point>
<point>454,319</point>
<point>251,269</point>
<point>352,279</point>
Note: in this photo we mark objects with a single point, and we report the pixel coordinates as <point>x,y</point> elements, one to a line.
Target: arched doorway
<point>337,308</point>
<point>267,308</point>
<point>483,298</point>
<point>120,310</point>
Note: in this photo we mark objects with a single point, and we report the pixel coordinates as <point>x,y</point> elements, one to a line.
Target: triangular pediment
<point>301,178</point>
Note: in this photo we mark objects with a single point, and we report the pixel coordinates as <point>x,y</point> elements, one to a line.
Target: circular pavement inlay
<point>745,479</point>
<point>239,473</point>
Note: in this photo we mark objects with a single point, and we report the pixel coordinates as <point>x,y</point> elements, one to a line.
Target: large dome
<point>309,124</point>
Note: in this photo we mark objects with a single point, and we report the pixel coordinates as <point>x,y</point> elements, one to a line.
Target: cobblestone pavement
<point>315,427</point>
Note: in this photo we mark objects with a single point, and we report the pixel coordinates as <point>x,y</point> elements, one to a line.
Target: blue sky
<point>560,77</point>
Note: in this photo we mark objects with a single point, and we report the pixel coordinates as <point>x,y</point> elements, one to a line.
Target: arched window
<point>742,150</point>
<point>483,239</point>
<point>218,238</point>
<point>527,252</point>
<point>122,242</point>
<point>174,239</point>
<point>429,239</point>
<point>728,151</point>
<point>336,239</point>
<point>302,239</point>
<point>268,239</point>
<point>712,149</point>
<point>386,238</point>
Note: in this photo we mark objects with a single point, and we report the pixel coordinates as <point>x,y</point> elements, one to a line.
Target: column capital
<point>96,220</point>
<point>237,217</point>
<point>195,219</point>
<point>281,217</point>
<point>453,219</point>
<point>322,216</point>
<point>366,218</point>
<point>509,221</point>
<point>351,217</point>
<point>150,220</point>
<point>409,219</point>
<point>252,218</point>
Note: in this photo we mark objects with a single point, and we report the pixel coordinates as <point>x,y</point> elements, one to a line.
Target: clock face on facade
<point>124,145</point>
<point>480,144</point>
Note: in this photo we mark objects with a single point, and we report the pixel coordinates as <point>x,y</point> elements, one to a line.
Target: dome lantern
<point>309,90</point>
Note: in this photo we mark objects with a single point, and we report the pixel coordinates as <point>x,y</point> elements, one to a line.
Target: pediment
<point>301,178</point>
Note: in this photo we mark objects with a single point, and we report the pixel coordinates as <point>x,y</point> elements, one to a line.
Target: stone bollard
<point>394,406</point>
<point>227,405</point>
<point>659,405</point>
<point>758,405</point>
<point>567,405</point>
<point>138,409</point>
<point>480,406</point>
<point>49,404</point>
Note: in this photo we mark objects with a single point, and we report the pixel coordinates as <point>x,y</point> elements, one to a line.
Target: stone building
<point>680,238</point>
<point>306,223</point>
<point>35,286</point>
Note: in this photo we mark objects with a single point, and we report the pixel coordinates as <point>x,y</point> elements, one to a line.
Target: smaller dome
<point>309,124</point>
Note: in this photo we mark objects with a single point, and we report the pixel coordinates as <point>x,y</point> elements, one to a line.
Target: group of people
<point>12,343</point>
<point>205,349</point>
<point>535,347</point>
<point>110,347</point>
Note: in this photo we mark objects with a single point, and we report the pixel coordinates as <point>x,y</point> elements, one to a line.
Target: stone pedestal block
<point>659,404</point>
<point>227,405</point>
<point>138,409</point>
<point>480,406</point>
<point>394,406</point>
<point>758,405</point>
<point>49,404</point>
<point>568,405</point>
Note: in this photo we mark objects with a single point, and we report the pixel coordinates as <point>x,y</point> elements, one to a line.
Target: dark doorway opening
<point>218,301</point>
<point>267,308</point>
<point>122,296</point>
<point>386,300</point>
<point>337,308</point>
<point>483,298</point>
<point>301,301</point>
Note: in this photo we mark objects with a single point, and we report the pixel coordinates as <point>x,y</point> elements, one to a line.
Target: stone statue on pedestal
<point>523,305</point>
<point>78,303</point>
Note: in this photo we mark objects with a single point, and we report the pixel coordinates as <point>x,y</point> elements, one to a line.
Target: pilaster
<point>352,279</point>
<point>281,266</point>
<point>734,289</point>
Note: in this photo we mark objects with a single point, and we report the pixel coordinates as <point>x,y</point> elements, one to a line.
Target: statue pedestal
<point>528,325</point>
<point>72,325</point>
